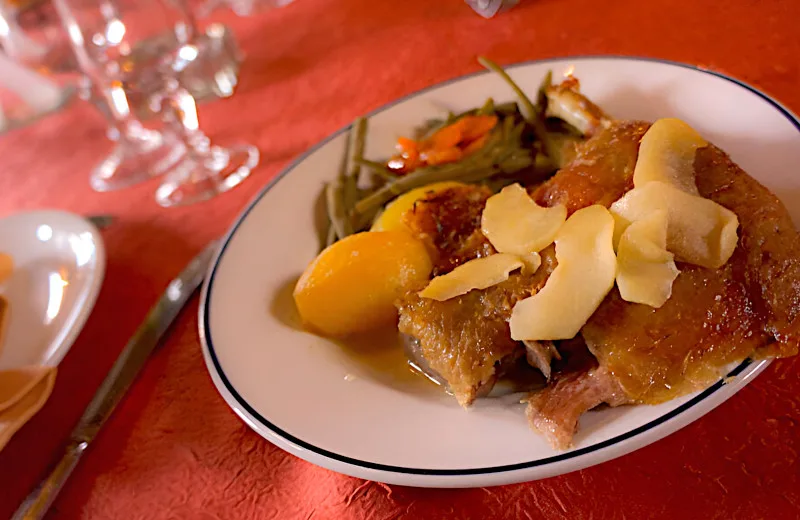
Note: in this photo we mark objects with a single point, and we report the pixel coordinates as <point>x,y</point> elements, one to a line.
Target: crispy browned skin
<point>600,174</point>
<point>713,317</point>
<point>769,249</point>
<point>449,222</point>
<point>466,338</point>
<point>659,354</point>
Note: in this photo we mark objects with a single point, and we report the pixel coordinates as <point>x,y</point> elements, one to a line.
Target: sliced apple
<point>514,223</point>
<point>480,273</point>
<point>584,275</point>
<point>699,231</point>
<point>666,154</point>
<point>645,269</point>
<point>531,262</point>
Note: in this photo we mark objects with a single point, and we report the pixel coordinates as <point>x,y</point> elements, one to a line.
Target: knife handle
<point>39,501</point>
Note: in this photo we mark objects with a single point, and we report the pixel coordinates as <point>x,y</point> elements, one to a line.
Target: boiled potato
<point>645,269</point>
<point>699,231</point>
<point>392,216</point>
<point>666,154</point>
<point>479,273</point>
<point>584,275</point>
<point>514,223</point>
<point>352,285</point>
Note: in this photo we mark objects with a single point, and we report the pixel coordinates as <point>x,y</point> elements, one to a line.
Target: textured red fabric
<point>174,450</point>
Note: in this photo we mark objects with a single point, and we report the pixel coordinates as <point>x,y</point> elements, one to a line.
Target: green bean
<point>486,162</point>
<point>362,221</point>
<point>352,167</point>
<point>380,169</point>
<point>507,109</point>
<point>541,97</point>
<point>523,98</point>
<point>325,230</point>
<point>331,238</point>
<point>334,198</point>
<point>356,152</point>
<point>487,109</point>
<point>533,116</point>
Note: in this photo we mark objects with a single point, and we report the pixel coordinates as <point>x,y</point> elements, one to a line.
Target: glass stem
<point>181,109</point>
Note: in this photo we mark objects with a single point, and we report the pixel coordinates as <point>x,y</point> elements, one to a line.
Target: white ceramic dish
<point>59,262</point>
<point>305,395</point>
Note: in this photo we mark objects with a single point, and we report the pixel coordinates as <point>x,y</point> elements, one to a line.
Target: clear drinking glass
<point>241,7</point>
<point>27,92</point>
<point>136,52</point>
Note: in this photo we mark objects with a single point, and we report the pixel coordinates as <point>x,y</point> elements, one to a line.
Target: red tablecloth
<point>174,450</point>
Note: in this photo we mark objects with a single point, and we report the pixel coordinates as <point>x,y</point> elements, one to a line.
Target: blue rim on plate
<point>205,331</point>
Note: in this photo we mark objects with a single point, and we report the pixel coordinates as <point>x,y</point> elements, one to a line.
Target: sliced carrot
<point>445,155</point>
<point>476,145</point>
<point>477,126</point>
<point>446,137</point>
<point>404,144</point>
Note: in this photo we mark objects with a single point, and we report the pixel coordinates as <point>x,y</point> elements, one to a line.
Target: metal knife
<point>118,380</point>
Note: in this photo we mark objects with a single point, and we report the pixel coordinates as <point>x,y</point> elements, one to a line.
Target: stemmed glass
<point>241,7</point>
<point>133,54</point>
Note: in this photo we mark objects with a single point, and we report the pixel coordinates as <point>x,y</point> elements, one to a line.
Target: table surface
<point>174,450</point>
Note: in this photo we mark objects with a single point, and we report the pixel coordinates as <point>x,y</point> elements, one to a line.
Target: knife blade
<point>125,369</point>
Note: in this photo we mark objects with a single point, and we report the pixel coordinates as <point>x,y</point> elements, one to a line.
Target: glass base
<point>203,175</point>
<point>137,158</point>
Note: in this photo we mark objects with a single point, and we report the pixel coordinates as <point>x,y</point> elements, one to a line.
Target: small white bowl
<point>59,263</point>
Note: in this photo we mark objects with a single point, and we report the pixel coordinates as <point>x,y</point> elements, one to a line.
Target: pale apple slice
<point>584,275</point>
<point>645,269</point>
<point>531,262</point>
<point>666,154</point>
<point>514,223</point>
<point>699,231</point>
<point>480,273</point>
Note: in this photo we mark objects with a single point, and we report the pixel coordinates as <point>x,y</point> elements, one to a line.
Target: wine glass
<point>136,52</point>
<point>241,7</point>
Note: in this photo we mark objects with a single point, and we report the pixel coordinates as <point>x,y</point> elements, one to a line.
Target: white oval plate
<point>59,262</point>
<point>290,386</point>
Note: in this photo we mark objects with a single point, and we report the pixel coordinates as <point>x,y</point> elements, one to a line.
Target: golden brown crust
<point>601,172</point>
<point>466,338</point>
<point>449,223</point>
<point>714,316</point>
<point>768,253</point>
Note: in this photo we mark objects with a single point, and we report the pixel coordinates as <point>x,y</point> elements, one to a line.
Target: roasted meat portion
<point>540,354</point>
<point>714,316</point>
<point>749,307</point>
<point>449,223</point>
<point>600,173</point>
<point>554,411</point>
<point>466,340</point>
<point>767,259</point>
